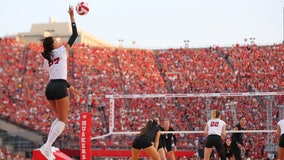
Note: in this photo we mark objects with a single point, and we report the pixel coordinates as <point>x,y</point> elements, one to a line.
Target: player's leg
<point>237,153</point>
<point>220,148</point>
<point>152,152</point>
<point>280,153</point>
<point>162,153</point>
<point>45,149</point>
<point>52,104</point>
<point>221,153</point>
<point>207,153</point>
<point>171,155</point>
<point>135,153</point>
<point>232,157</point>
<point>62,109</point>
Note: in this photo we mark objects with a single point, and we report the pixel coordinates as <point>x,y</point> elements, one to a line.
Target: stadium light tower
<point>252,40</point>
<point>120,43</point>
<point>186,42</point>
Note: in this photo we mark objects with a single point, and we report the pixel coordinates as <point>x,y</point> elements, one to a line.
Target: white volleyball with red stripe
<point>82,8</point>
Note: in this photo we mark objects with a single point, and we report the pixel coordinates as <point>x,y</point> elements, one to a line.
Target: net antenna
<point>202,95</point>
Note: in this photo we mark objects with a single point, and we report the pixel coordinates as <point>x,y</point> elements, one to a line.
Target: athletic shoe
<point>46,152</point>
<point>54,149</point>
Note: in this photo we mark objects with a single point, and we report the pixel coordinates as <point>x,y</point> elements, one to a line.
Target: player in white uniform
<point>56,91</point>
<point>215,131</point>
<point>280,138</point>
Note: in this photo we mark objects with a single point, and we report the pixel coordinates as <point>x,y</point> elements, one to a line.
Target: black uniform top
<point>151,134</point>
<point>169,137</point>
<point>146,139</point>
<point>162,139</point>
<point>237,138</point>
<point>228,150</point>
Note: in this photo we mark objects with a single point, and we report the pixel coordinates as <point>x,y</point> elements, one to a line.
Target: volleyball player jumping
<point>56,91</point>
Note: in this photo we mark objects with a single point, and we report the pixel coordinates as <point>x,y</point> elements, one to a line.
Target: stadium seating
<point>136,71</point>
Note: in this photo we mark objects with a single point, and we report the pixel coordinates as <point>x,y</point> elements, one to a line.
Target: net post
<point>85,136</point>
<point>111,115</point>
<point>281,112</point>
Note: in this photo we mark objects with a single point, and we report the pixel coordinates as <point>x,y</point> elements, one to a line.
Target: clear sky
<point>157,23</point>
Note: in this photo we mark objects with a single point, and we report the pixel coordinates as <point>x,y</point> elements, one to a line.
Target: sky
<point>157,23</point>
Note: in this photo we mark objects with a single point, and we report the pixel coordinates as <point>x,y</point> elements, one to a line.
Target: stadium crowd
<point>8,155</point>
<point>108,71</point>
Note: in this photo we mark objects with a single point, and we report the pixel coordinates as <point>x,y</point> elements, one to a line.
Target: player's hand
<point>75,91</point>
<point>244,150</point>
<point>241,147</point>
<point>71,11</point>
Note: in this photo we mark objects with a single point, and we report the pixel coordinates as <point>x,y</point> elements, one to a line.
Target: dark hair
<point>47,43</point>
<point>150,124</point>
<point>242,117</point>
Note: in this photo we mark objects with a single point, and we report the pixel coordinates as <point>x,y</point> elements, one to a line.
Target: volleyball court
<point>188,113</point>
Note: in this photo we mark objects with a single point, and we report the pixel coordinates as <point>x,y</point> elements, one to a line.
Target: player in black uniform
<point>228,148</point>
<point>162,145</point>
<point>237,139</point>
<point>149,134</point>
<point>280,138</point>
<point>170,140</point>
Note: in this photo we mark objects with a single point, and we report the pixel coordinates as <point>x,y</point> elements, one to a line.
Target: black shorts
<point>141,142</point>
<point>169,147</point>
<point>214,140</point>
<point>160,146</point>
<point>281,141</point>
<point>56,89</point>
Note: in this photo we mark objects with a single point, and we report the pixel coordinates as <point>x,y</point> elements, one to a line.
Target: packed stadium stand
<point>109,71</point>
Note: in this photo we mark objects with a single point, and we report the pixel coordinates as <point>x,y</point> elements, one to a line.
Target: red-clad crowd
<point>107,71</point>
<point>9,155</point>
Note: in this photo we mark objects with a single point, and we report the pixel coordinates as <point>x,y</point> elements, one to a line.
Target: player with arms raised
<point>56,90</point>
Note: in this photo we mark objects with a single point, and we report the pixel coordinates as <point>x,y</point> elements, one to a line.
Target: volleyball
<point>82,8</point>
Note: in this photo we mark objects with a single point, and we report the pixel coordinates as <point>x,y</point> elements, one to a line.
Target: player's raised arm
<point>74,29</point>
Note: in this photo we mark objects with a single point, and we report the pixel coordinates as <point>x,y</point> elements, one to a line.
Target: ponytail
<point>47,47</point>
<point>215,114</point>
<point>150,124</point>
<point>46,55</point>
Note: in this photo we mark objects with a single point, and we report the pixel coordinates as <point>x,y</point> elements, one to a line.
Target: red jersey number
<point>214,124</point>
<point>54,61</point>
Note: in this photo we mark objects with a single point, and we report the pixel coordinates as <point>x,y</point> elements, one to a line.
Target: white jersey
<point>281,125</point>
<point>57,67</point>
<point>215,126</point>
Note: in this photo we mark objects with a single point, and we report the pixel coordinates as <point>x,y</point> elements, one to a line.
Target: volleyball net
<point>126,115</point>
